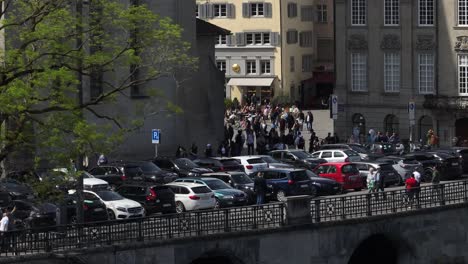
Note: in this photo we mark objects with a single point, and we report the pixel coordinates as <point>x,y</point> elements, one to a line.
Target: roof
<point>222,173</point>
<point>339,164</point>
<point>282,169</point>
<point>207,29</point>
<point>186,184</point>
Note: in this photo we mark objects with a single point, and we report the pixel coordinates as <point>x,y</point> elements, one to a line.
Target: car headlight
<point>121,209</point>
<point>317,183</point>
<point>15,193</point>
<point>193,174</point>
<point>228,197</point>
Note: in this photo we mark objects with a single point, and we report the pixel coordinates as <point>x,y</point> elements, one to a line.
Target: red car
<point>345,173</point>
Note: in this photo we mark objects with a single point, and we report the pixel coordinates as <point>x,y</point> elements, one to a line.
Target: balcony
<point>448,103</point>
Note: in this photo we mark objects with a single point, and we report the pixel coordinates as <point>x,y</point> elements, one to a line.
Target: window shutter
<point>292,10</point>
<point>246,12</point>
<point>209,11</point>
<point>231,10</point>
<point>267,9</point>
<point>240,39</point>
<point>230,41</point>
<point>202,11</point>
<point>274,38</point>
<point>291,37</point>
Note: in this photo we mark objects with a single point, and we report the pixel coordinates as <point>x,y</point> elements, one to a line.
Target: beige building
<point>272,51</point>
<point>392,52</point>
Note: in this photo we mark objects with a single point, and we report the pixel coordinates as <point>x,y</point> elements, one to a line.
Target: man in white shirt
<point>4,223</point>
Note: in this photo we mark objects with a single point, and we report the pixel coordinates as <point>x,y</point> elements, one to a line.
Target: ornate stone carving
<point>390,42</point>
<point>357,42</point>
<point>425,42</point>
<point>462,43</point>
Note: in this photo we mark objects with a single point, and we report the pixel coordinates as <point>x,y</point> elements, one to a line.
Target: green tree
<point>52,45</point>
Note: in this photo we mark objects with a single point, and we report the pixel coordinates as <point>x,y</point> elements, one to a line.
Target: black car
<point>114,175</point>
<point>297,158</point>
<point>460,152</point>
<point>154,198</point>
<point>182,166</point>
<point>16,189</point>
<point>219,164</point>
<point>93,209</point>
<point>450,166</point>
<point>323,185</point>
<point>238,180</point>
<point>32,215</point>
<point>382,148</point>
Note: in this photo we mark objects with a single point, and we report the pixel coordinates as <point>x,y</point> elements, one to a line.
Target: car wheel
<point>73,220</point>
<point>281,196</point>
<point>111,214</point>
<point>179,207</point>
<point>217,204</point>
<point>313,191</point>
<point>427,176</point>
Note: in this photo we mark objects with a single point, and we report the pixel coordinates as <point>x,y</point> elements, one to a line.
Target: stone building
<point>276,49</point>
<point>392,52</point>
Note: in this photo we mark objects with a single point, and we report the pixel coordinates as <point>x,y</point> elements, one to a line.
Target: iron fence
<point>190,224</point>
<point>389,202</point>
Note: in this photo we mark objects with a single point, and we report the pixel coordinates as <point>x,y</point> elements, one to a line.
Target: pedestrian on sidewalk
<point>380,184</point>
<point>371,180</point>
<point>411,185</point>
<point>309,119</point>
<point>436,182</point>
<point>260,188</point>
<point>250,142</point>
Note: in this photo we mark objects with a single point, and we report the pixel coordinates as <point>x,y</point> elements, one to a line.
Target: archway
<point>375,249</point>
<point>461,129</point>
<point>425,123</point>
<point>391,124</point>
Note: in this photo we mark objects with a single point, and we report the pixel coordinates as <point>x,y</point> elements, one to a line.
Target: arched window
<point>391,124</point>
<point>425,123</point>
<point>360,122</point>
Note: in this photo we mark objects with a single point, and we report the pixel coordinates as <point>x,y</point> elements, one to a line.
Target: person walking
<point>417,188</point>
<point>380,185</point>
<point>436,182</point>
<point>260,188</point>
<point>250,142</point>
<point>371,180</point>
<point>309,119</point>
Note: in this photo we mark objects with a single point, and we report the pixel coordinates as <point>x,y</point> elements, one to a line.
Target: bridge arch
<point>217,257</point>
<point>376,248</point>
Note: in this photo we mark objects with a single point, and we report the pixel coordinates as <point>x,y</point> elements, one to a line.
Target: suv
<point>288,182</point>
<point>251,163</point>
<point>182,166</point>
<point>154,198</point>
<point>219,164</point>
<point>238,180</point>
<point>297,158</point>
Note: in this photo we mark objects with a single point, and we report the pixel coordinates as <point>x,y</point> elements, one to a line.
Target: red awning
<point>321,77</point>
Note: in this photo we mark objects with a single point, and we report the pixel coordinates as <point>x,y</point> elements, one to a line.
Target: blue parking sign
<point>155,136</point>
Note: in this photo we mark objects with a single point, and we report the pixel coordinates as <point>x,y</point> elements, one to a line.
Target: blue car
<point>288,182</point>
<point>225,195</point>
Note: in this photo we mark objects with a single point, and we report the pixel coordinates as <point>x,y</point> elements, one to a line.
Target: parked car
<point>192,196</point>
<point>154,198</point>
<point>114,175</point>
<point>345,173</point>
<point>92,183</point>
<point>182,166</point>
<point>219,164</point>
<point>389,174</point>
<point>450,166</point>
<point>460,152</point>
<point>238,180</point>
<point>251,163</point>
<point>94,210</point>
<point>118,207</point>
<point>274,164</point>
<point>288,182</point>
<point>337,155</point>
<point>363,152</point>
<point>225,195</point>
<point>34,215</point>
<point>324,186</point>
<point>5,199</point>
<point>297,158</point>
<point>405,167</point>
<point>385,149</point>
<point>16,189</point>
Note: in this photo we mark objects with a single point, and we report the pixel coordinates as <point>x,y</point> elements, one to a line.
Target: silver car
<point>404,167</point>
<point>390,175</point>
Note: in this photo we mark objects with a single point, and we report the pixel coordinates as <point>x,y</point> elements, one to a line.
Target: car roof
<point>140,184</point>
<point>227,173</point>
<point>186,184</point>
<point>282,169</point>
<point>373,163</point>
<point>199,178</point>
<point>339,164</point>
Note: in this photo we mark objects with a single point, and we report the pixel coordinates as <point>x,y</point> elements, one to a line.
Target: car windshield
<point>255,161</point>
<point>269,159</point>
<point>351,168</point>
<point>201,189</point>
<point>217,185</point>
<point>359,149</point>
<point>185,164</point>
<point>109,196</point>
<point>301,154</point>
<point>350,153</point>
<point>241,178</point>
<point>311,174</point>
<point>230,162</point>
<point>86,175</point>
<point>299,175</point>
<point>148,167</point>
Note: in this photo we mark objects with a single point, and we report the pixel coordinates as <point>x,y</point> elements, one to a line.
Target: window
<point>426,73</point>
<point>258,38</point>
<point>292,10</point>
<point>392,72</point>
<point>220,10</point>
<point>307,63</point>
<point>257,9</point>
<point>392,12</point>
<point>197,13</point>
<point>221,65</point>
<point>326,154</point>
<point>251,67</point>
<point>306,39</point>
<point>463,12</point>
<point>307,13</point>
<point>221,40</point>
<point>358,12</point>
<point>463,74</point>
<point>291,36</point>
<point>322,16</point>
<point>426,12</point>
<point>265,67</point>
<point>337,154</point>
<point>358,72</point>
<point>292,64</point>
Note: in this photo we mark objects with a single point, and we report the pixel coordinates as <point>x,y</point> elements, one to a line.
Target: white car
<point>192,196</point>
<point>251,164</point>
<point>118,207</point>
<point>337,155</point>
<point>92,183</point>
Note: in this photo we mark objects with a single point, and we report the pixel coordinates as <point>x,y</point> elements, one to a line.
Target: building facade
<point>273,47</point>
<point>392,52</point>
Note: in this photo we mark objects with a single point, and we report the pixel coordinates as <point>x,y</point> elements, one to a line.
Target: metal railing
<point>389,202</point>
<point>155,228</point>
